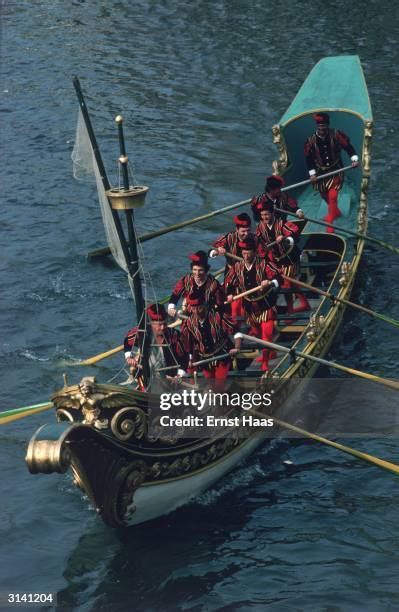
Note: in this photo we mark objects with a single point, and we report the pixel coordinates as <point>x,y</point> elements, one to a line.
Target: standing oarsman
<point>285,253</point>
<point>323,154</point>
<point>260,306</point>
<point>280,199</point>
<point>200,281</point>
<point>166,347</point>
<point>206,334</point>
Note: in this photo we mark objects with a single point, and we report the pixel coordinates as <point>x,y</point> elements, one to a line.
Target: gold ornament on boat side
<point>64,415</point>
<point>316,323</point>
<point>278,139</point>
<point>48,456</point>
<point>128,422</point>
<point>345,274</point>
<point>94,402</point>
<point>194,461</point>
<point>366,157</point>
<point>366,168</point>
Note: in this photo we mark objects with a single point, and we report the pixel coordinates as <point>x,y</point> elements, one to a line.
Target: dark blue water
<point>199,85</point>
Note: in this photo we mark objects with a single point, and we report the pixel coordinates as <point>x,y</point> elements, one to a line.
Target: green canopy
<point>334,84</point>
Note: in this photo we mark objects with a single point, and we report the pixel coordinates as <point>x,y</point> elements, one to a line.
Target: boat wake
<point>241,477</point>
<point>28,354</point>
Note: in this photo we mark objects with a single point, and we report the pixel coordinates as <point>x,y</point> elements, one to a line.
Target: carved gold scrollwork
<point>101,424</point>
<point>345,274</point>
<point>63,415</point>
<point>128,422</point>
<point>138,472</point>
<point>316,323</point>
<point>281,164</point>
<point>366,157</point>
<point>194,461</point>
<point>90,415</point>
<point>366,168</point>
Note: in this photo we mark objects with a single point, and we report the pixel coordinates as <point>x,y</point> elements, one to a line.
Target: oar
<point>294,354</point>
<point>334,298</point>
<point>100,356</point>
<point>197,363</point>
<point>96,358</point>
<point>318,178</point>
<point>232,256</point>
<point>344,230</point>
<point>386,465</point>
<point>20,413</point>
<point>176,226</point>
<point>248,292</point>
<point>240,355</point>
<point>214,213</point>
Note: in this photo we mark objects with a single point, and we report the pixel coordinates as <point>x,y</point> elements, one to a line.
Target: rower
<point>205,334</point>
<point>199,280</point>
<point>323,154</point>
<point>259,307</point>
<point>285,254</point>
<point>229,242</point>
<point>166,347</point>
<point>280,199</point>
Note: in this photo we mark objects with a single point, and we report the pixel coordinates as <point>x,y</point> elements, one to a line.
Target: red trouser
<point>237,311</point>
<point>303,302</point>
<point>331,197</point>
<point>218,373</point>
<point>264,330</point>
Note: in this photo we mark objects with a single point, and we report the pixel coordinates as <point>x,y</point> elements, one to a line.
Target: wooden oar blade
<point>8,416</point>
<point>360,307</point>
<point>393,384</point>
<point>382,463</point>
<point>96,358</point>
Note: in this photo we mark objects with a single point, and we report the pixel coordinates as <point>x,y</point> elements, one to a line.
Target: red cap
<point>156,312</point>
<point>265,205</point>
<point>242,220</point>
<point>199,258</point>
<point>274,182</point>
<point>322,118</point>
<point>248,244</point>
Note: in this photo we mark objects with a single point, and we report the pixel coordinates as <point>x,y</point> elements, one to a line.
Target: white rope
<point>122,369</point>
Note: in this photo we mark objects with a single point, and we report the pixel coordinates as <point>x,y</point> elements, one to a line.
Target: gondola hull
<point>132,476</point>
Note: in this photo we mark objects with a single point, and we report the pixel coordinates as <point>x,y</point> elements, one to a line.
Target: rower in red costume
<point>166,346</point>
<point>284,254</point>
<point>229,243</point>
<point>279,198</point>
<point>259,307</point>
<point>206,333</point>
<point>199,280</point>
<point>323,154</point>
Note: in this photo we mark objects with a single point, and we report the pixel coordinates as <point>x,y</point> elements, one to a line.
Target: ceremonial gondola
<point>132,472</point>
